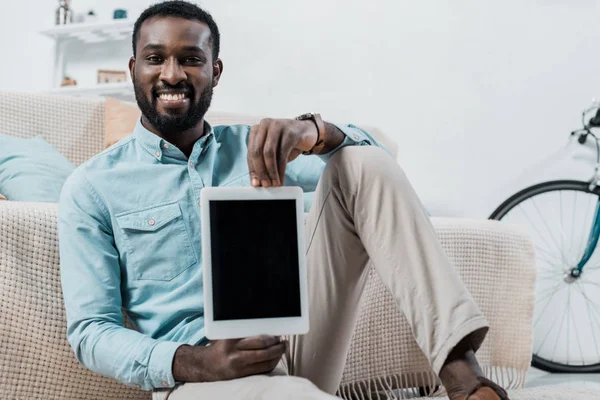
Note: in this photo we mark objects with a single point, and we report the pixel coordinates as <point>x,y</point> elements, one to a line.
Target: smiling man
<point>129,230</point>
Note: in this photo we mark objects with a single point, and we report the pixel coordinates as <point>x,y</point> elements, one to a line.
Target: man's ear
<point>217,71</point>
<point>131,67</point>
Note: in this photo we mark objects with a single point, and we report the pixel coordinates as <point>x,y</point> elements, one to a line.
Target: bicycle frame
<point>594,182</point>
<point>591,244</point>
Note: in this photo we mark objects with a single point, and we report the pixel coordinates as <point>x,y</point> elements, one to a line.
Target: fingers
<point>259,361</point>
<point>262,368</point>
<point>269,146</point>
<point>257,342</point>
<point>286,154</point>
<point>270,353</point>
<point>256,165</point>
<point>271,152</point>
<point>236,358</point>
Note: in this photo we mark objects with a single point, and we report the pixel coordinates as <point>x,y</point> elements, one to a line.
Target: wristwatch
<point>321,132</point>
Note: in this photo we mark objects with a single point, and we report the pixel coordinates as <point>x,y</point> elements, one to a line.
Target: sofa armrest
<point>36,360</point>
<point>496,263</point>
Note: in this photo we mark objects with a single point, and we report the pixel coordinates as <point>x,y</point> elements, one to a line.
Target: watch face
<point>305,116</point>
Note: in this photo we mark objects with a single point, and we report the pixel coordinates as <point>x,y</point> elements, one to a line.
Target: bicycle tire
<point>511,203</point>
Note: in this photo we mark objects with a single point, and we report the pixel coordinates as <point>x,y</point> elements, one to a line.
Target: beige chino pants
<point>364,213</point>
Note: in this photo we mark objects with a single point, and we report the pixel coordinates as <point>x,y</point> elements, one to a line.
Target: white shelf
<point>92,32</point>
<point>121,91</point>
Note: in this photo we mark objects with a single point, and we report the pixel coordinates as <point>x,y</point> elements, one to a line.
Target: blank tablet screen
<point>255,271</point>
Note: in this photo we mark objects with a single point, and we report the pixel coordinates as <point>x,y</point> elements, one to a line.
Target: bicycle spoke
<point>548,277</point>
<point>549,262</point>
<point>548,303</point>
<point>561,218</point>
<point>545,272</point>
<point>548,333</point>
<point>542,294</point>
<point>590,283</point>
<point>548,254</point>
<point>595,307</point>
<point>591,269</point>
<point>547,296</point>
<point>550,270</point>
<point>573,225</point>
<point>579,341</point>
<point>534,226</point>
<point>568,330</point>
<point>592,320</point>
<point>582,232</point>
<point>562,232</point>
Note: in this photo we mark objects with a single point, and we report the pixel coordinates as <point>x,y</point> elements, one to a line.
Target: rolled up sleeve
<point>305,171</point>
<point>355,136</point>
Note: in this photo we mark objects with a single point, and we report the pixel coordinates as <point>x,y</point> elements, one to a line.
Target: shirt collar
<point>157,147</point>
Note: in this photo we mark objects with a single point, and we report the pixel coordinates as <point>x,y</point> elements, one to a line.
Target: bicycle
<point>567,302</point>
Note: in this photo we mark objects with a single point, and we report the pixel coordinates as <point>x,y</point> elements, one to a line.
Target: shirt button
<point>151,222</point>
<point>157,154</point>
<point>191,164</point>
<point>166,145</point>
<point>199,203</point>
<point>165,384</point>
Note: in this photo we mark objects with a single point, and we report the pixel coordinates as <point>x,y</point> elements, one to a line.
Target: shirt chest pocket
<point>243,181</point>
<point>157,244</point>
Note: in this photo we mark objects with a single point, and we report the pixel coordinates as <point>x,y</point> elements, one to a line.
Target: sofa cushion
<point>120,120</point>
<point>31,169</point>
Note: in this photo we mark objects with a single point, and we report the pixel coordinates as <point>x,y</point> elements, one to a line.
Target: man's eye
<point>154,59</point>
<point>193,60</point>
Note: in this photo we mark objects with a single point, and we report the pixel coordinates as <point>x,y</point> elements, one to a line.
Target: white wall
<point>473,92</point>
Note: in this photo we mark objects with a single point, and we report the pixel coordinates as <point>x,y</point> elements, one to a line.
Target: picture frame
<point>111,76</point>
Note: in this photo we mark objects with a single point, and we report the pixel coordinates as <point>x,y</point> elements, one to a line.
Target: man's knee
<point>293,388</point>
<point>361,153</point>
<point>354,164</point>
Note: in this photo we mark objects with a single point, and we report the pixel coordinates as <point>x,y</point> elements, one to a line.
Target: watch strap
<point>321,132</point>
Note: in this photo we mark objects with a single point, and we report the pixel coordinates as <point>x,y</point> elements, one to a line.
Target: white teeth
<point>172,97</point>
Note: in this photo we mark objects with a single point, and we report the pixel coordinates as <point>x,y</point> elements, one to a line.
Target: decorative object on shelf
<point>108,76</point>
<point>64,14</point>
<point>91,16</point>
<point>120,14</point>
<point>68,82</point>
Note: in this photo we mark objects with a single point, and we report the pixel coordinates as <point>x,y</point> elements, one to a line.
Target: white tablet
<point>253,257</point>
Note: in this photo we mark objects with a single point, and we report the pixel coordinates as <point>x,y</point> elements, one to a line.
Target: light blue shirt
<point>129,234</point>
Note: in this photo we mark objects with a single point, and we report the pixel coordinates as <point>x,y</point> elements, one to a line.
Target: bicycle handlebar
<point>595,121</point>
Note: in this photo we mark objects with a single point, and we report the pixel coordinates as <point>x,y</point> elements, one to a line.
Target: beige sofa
<point>496,262</point>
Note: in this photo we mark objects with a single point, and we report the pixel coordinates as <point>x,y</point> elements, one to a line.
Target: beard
<point>169,125</point>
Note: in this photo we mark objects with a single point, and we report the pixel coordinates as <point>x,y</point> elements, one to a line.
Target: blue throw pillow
<point>31,169</point>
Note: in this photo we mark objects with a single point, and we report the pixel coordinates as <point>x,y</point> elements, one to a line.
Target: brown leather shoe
<point>486,390</point>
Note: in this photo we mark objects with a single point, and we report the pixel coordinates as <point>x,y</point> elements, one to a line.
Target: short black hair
<point>179,9</point>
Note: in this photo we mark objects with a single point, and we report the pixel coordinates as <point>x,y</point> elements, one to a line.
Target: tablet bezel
<point>241,328</point>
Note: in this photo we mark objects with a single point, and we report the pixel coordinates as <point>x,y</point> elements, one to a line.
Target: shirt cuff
<point>160,367</point>
<point>354,137</point>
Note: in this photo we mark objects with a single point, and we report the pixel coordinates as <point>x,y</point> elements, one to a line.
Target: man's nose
<point>172,72</point>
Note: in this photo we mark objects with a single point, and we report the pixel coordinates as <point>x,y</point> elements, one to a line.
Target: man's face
<point>173,73</point>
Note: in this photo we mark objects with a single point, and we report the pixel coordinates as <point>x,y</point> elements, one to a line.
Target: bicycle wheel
<point>559,215</point>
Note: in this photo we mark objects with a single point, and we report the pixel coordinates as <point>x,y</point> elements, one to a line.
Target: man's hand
<point>275,142</point>
<point>228,359</point>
